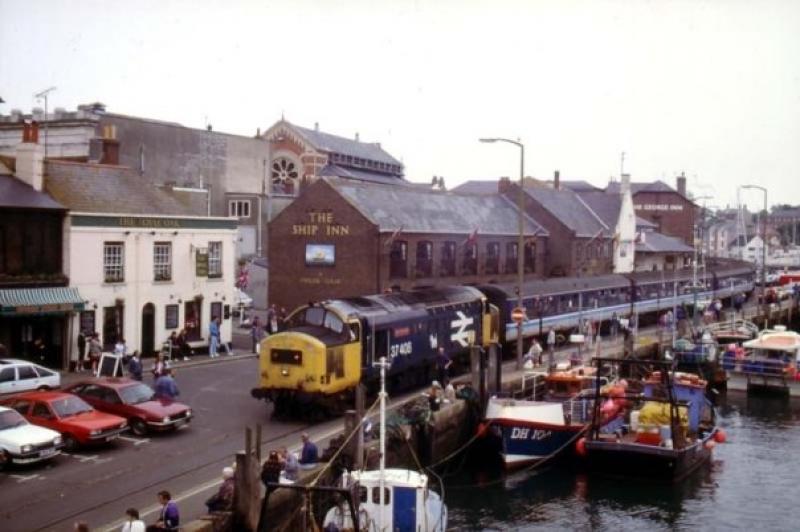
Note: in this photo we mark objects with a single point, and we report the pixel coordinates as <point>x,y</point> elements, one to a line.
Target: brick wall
<point>673,213</point>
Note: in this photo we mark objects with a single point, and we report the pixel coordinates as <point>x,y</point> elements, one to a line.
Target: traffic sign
<point>518,315</point>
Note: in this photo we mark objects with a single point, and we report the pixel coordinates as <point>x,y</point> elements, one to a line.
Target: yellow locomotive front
<point>315,364</point>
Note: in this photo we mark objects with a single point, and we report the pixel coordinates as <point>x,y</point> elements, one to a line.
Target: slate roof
<point>658,243</point>
<point>116,190</point>
<point>476,186</point>
<point>16,194</point>
<point>417,210</point>
<point>607,206</point>
<point>568,208</point>
<point>362,175</point>
<point>613,187</point>
<point>336,144</point>
<point>578,185</point>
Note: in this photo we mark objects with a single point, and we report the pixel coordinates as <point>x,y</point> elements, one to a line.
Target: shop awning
<point>25,301</point>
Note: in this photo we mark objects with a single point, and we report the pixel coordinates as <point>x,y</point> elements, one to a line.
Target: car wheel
<point>138,427</point>
<point>5,460</point>
<point>70,443</point>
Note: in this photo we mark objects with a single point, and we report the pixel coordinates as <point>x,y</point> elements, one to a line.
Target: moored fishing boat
<point>528,431</point>
<point>663,434</point>
<point>767,363</point>
<point>395,499</point>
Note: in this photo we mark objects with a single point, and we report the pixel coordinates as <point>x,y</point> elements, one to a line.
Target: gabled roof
<point>607,206</point>
<point>85,187</point>
<point>417,210</point>
<point>658,243</point>
<point>18,195</point>
<point>477,186</point>
<point>336,144</point>
<point>566,206</point>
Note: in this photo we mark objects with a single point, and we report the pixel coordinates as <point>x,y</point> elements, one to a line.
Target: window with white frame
<point>114,262</point>
<point>162,261</point>
<point>215,259</point>
<point>239,208</point>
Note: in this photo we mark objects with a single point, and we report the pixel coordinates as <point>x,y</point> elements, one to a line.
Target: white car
<point>23,443</point>
<point>21,376</point>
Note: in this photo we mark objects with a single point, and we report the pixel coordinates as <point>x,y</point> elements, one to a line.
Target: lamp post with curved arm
<point>521,240</point>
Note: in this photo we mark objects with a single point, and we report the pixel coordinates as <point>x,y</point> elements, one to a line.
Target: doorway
<point>148,329</point>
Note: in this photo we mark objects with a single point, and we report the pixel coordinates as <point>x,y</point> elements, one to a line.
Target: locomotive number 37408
<point>403,348</point>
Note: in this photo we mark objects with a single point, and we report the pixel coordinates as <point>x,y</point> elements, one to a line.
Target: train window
<point>333,322</point>
<point>315,315</point>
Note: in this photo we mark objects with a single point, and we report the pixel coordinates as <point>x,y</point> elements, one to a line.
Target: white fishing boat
<point>391,500</point>
<point>767,363</point>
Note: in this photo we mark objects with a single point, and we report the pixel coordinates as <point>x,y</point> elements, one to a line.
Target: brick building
<point>344,238</point>
<point>671,210</point>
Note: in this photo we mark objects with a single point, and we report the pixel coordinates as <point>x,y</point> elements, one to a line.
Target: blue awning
<point>26,301</point>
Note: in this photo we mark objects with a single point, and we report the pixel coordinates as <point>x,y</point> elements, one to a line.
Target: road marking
<point>25,478</point>
<point>95,459</point>
<point>135,441</point>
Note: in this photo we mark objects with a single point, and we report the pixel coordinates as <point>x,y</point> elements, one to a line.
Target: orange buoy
<point>580,447</point>
<point>720,436</point>
<point>710,444</point>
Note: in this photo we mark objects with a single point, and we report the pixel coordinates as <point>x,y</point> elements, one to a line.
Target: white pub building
<point>144,277</point>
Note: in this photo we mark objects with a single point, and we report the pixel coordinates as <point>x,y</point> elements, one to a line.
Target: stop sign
<point>518,315</point>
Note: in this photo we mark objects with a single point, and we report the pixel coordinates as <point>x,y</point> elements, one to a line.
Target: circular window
<point>284,175</point>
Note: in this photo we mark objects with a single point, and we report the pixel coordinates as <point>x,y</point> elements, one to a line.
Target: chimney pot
<point>557,180</point>
<point>258,132</point>
<point>208,127</point>
<point>357,139</point>
<point>316,127</point>
<point>681,184</point>
<point>503,185</point>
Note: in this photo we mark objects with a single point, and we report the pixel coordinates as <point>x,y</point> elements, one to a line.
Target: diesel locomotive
<point>328,348</point>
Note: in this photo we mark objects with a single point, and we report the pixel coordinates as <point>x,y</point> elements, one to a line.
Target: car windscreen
<point>70,406</point>
<point>135,394</point>
<point>11,419</point>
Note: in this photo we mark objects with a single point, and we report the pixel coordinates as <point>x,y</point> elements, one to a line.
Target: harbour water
<point>752,483</point>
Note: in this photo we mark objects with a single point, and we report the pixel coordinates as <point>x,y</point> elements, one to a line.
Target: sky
<point>709,88</point>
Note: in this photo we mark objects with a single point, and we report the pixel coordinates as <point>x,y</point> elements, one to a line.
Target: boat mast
<point>383,364</point>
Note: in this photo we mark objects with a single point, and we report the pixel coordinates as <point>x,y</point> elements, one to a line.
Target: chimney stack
<point>681,182</point>
<point>30,157</point>
<point>316,128</point>
<point>357,139</point>
<point>556,180</point>
<point>503,185</point>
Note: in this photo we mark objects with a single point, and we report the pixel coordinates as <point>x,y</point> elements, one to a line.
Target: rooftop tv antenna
<point>39,96</point>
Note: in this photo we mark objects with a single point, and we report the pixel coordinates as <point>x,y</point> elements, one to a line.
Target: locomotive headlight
<point>285,372</point>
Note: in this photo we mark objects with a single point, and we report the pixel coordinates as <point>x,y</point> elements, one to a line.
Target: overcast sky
<point>709,88</point>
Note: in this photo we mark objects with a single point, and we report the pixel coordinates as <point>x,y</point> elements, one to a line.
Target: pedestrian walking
<point>159,367</point>
<point>95,349</point>
<point>213,337</point>
<point>443,363</point>
<point>256,333</point>
<point>81,351</point>
<point>168,517</point>
<point>272,319</point>
<point>551,347</point>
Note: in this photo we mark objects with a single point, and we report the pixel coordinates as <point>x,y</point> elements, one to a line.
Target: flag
<point>394,236</point>
<point>472,238</point>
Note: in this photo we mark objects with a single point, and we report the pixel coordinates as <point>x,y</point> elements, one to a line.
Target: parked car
<point>74,418</point>
<point>20,376</point>
<point>134,401</point>
<point>23,443</point>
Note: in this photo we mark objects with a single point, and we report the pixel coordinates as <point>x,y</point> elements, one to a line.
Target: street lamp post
<point>521,240</point>
<point>763,248</point>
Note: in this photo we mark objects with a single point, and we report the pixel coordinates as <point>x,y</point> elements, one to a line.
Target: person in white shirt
<point>133,523</point>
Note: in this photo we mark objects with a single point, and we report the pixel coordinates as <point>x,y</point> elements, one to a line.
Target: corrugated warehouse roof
<point>568,208</point>
<point>417,210</point>
<point>336,144</point>
<point>18,195</point>
<point>91,188</point>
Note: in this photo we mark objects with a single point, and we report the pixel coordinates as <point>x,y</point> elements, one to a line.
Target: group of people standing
<point>275,322</point>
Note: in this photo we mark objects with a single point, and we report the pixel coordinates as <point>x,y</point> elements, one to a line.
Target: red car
<point>134,401</point>
<point>77,421</point>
